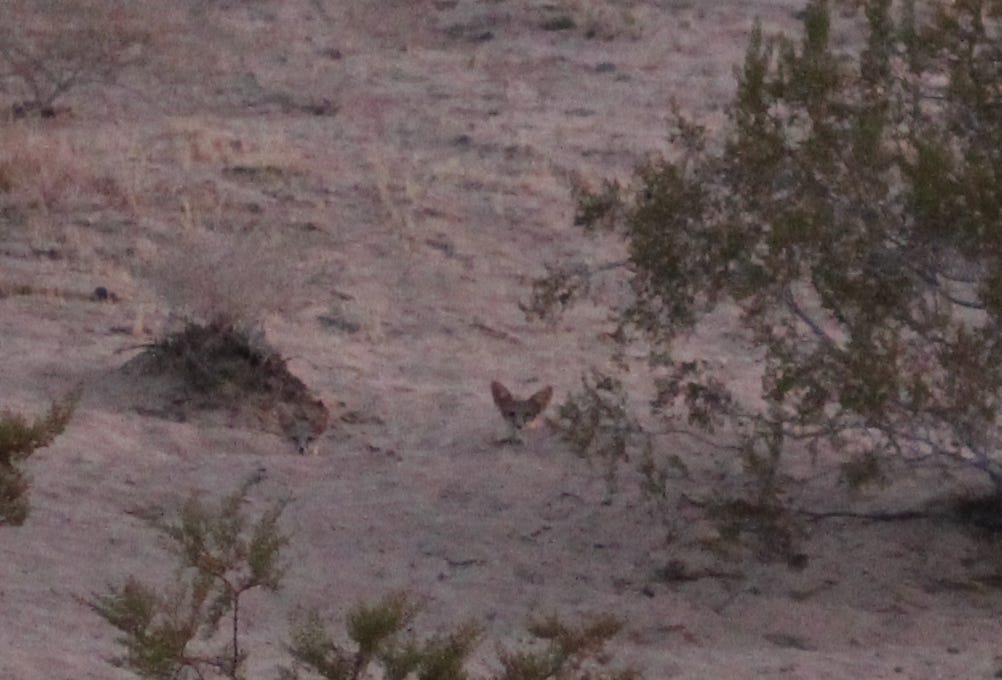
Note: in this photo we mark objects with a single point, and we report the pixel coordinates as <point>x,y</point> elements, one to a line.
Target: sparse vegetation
<point>376,633</point>
<point>45,55</point>
<point>232,280</point>
<point>561,22</point>
<point>43,171</point>
<point>595,19</point>
<point>216,358</point>
<point>221,558</point>
<point>596,423</point>
<point>553,293</point>
<point>221,287</point>
<point>170,632</point>
<point>219,367</point>
<point>570,653</point>
<point>852,217</point>
<point>20,438</point>
<point>559,651</point>
<point>406,224</point>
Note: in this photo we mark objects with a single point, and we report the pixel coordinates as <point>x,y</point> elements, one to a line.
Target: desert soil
<point>380,186</point>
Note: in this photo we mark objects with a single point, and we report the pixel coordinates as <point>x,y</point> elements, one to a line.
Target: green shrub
<point>221,557</point>
<point>570,653</point>
<point>567,653</point>
<point>18,440</point>
<point>166,631</point>
<point>598,426</point>
<point>852,213</point>
<point>376,632</point>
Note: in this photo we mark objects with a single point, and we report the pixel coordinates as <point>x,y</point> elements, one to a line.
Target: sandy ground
<point>410,173</point>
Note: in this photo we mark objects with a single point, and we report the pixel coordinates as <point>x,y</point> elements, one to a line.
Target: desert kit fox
<point>518,412</point>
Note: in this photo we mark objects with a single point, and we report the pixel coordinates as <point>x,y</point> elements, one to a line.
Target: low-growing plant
<point>559,651</point>
<point>222,556</point>
<point>215,356</point>
<point>569,653</point>
<point>19,438</point>
<point>174,631</point>
<point>376,632</point>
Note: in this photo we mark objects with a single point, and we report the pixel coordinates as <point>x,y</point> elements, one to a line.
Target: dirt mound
<point>217,374</point>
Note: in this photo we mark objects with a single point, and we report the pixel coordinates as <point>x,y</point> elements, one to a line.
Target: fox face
<point>518,412</point>
<point>303,423</point>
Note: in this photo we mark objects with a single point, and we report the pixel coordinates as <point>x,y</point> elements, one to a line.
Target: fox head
<point>518,412</point>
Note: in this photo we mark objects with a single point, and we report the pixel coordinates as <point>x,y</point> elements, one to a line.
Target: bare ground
<point>383,185</point>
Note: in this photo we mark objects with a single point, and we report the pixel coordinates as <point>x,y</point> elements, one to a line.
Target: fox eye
<point>510,414</point>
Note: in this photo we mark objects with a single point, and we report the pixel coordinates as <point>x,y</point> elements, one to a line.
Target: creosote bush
<point>852,214</point>
<point>20,438</point>
<point>597,424</point>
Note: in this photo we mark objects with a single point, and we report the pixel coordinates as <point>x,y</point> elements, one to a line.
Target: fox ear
<point>500,393</point>
<point>542,397</point>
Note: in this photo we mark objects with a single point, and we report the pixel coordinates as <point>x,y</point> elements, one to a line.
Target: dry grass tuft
<point>45,171</point>
<point>235,279</point>
<point>598,19</point>
<point>59,170</point>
